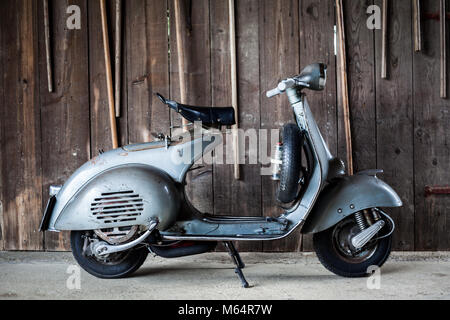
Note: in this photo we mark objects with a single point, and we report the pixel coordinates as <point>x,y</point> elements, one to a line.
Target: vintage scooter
<point>128,202</point>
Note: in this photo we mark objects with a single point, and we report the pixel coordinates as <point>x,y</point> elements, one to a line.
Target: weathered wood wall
<point>399,124</point>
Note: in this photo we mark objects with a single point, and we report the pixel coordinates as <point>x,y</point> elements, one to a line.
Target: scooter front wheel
<point>113,266</point>
<point>335,252</point>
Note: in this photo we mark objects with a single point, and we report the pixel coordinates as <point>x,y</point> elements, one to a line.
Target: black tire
<point>291,167</point>
<point>130,261</point>
<point>335,261</point>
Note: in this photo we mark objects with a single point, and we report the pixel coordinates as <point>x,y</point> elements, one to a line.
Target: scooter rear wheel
<point>116,265</point>
<point>335,253</point>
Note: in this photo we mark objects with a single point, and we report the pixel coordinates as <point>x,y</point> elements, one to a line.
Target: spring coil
<point>360,221</point>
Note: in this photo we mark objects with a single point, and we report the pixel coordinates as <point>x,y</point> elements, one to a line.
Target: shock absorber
<point>360,220</point>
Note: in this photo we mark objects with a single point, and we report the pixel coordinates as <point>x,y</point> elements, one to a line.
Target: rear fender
<point>147,162</point>
<point>346,196</point>
<point>121,196</point>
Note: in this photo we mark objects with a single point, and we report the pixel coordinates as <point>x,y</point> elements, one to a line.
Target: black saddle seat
<point>209,116</point>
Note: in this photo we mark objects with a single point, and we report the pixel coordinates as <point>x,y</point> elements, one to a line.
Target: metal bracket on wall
<point>435,16</point>
<point>432,190</point>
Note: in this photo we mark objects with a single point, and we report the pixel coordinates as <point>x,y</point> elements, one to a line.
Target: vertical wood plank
<point>443,41</point>
<point>198,85</point>
<point>237,197</point>
<point>248,193</point>
<point>361,85</point>
<point>431,141</point>
<point>21,145</point>
<point>279,49</point>
<point>99,107</point>
<point>317,45</point>
<point>65,111</point>
<point>197,54</point>
<point>223,174</point>
<point>395,150</point>
<point>148,69</point>
<point>3,58</point>
<point>122,124</point>
<point>99,116</point>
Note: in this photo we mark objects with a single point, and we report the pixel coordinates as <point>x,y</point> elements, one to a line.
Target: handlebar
<point>273,93</point>
<point>284,85</point>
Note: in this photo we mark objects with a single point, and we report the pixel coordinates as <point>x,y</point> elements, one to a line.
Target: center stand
<point>237,261</point>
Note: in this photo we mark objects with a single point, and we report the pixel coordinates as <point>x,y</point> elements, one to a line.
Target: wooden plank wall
<point>431,142</point>
<point>399,124</point>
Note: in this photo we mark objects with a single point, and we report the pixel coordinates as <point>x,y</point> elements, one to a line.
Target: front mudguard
<point>346,196</point>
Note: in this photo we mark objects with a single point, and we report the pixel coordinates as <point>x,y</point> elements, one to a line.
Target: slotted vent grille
<point>116,207</point>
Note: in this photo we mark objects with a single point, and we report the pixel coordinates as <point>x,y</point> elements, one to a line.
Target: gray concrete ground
<point>211,276</point>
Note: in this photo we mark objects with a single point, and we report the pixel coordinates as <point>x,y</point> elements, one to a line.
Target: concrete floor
<point>211,276</point>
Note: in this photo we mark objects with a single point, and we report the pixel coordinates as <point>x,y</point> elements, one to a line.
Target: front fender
<point>346,196</point>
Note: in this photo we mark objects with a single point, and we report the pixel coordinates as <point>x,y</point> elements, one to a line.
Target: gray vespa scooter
<point>130,201</point>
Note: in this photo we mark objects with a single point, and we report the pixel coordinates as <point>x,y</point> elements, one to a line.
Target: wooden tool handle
<point>112,115</point>
<point>384,40</point>
<point>344,84</point>
<point>234,89</point>
<point>443,23</point>
<point>180,53</point>
<point>118,56</point>
<point>47,46</point>
<point>417,26</point>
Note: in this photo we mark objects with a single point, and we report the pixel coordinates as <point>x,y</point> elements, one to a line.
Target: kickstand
<point>237,261</point>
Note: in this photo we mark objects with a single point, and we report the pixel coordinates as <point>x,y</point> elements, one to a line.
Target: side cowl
<point>132,194</point>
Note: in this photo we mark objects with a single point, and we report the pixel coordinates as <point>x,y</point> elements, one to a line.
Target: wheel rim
<point>342,234</point>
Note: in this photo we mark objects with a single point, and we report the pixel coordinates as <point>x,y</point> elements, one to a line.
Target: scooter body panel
<point>122,196</point>
<point>112,171</point>
<point>346,196</point>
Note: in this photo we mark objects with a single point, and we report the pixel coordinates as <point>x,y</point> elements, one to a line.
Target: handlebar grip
<point>273,93</point>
